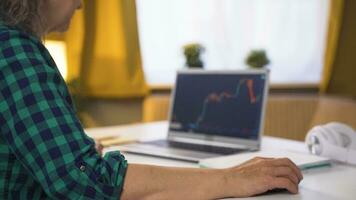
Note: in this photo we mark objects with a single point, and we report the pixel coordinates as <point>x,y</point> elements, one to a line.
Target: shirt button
<point>82,168</point>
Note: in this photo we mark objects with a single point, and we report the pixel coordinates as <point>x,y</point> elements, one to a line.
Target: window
<point>293,33</point>
<point>58,51</point>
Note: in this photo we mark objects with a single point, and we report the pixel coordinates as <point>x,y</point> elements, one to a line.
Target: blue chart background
<point>234,116</point>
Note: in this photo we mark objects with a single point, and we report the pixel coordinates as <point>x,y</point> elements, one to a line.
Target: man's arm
<point>154,182</point>
<point>40,127</point>
<point>253,177</point>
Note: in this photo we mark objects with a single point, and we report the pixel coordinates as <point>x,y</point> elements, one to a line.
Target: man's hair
<point>23,14</point>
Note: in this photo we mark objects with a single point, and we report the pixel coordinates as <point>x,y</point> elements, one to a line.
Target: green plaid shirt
<point>44,152</point>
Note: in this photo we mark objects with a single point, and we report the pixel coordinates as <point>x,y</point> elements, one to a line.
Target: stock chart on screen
<point>219,104</point>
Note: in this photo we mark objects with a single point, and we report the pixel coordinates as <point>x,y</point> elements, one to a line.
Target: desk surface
<point>327,183</point>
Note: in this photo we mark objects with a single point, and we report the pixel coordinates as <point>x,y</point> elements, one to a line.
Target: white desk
<point>327,183</point>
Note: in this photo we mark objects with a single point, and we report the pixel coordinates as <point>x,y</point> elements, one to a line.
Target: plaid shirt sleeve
<point>38,123</point>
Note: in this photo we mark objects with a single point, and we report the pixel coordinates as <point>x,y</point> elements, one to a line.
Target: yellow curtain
<point>335,21</point>
<point>111,61</point>
<point>339,73</point>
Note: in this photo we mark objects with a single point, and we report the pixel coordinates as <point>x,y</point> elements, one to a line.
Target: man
<point>45,153</point>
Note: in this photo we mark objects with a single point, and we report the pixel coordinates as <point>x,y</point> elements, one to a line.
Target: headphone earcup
<point>315,140</point>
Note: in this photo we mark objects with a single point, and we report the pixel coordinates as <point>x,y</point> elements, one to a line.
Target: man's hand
<point>260,175</point>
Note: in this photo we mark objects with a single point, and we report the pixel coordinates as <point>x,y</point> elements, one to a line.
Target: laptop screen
<point>219,104</point>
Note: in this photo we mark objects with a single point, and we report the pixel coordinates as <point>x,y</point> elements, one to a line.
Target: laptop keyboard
<point>196,147</point>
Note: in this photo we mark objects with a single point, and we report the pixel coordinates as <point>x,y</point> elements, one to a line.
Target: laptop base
<point>178,150</point>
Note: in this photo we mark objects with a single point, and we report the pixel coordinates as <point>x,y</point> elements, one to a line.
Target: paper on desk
<point>111,141</point>
<point>303,161</point>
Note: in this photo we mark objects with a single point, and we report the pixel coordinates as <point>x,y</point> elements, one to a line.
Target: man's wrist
<point>219,183</point>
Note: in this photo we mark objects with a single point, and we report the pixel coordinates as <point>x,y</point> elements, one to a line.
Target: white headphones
<point>333,140</point>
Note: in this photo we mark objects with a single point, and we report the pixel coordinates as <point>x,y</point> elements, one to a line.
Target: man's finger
<point>288,163</point>
<point>284,183</point>
<point>287,173</point>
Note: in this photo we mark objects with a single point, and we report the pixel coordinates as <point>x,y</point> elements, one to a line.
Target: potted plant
<point>192,54</point>
<point>257,59</point>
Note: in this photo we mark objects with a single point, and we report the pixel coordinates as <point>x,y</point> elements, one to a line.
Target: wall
<point>107,112</point>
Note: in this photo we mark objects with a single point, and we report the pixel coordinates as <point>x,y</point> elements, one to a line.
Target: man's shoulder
<point>12,36</point>
<point>16,45</point>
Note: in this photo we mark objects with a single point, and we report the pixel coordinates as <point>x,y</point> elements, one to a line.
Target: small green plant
<point>257,59</point>
<point>192,54</point>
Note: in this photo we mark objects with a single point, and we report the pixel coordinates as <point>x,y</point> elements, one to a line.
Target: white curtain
<point>292,32</point>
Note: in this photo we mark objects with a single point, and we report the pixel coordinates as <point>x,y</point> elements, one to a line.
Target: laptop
<point>212,113</point>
